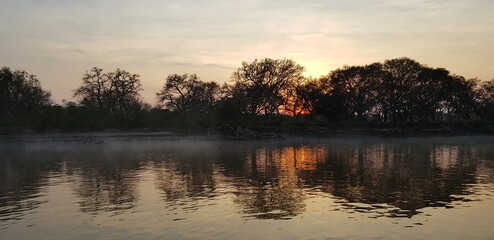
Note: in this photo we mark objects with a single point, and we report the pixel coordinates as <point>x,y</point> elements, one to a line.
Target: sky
<point>58,40</point>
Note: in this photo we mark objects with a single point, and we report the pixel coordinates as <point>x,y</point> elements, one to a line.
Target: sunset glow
<point>59,40</point>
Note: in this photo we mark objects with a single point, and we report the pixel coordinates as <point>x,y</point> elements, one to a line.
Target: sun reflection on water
<point>168,186</point>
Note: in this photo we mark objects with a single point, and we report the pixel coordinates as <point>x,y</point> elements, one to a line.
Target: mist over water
<point>303,188</point>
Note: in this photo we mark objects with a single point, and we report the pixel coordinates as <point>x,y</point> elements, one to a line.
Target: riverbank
<point>87,137</point>
<point>358,129</point>
<point>261,131</point>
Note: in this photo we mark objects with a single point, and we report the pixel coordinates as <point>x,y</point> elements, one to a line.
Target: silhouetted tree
<point>236,95</point>
<point>398,80</point>
<point>485,102</point>
<point>300,97</point>
<point>262,82</point>
<point>357,86</point>
<point>21,93</point>
<point>94,89</point>
<point>398,90</point>
<point>114,91</point>
<point>429,94</point>
<point>329,103</point>
<point>187,93</point>
<point>462,97</point>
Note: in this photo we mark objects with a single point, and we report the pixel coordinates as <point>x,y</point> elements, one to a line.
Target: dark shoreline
<point>231,132</point>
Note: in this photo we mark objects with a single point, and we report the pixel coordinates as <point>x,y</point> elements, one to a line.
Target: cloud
<point>212,38</point>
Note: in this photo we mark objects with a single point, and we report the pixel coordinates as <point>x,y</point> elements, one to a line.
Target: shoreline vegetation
<point>264,99</point>
<point>264,132</point>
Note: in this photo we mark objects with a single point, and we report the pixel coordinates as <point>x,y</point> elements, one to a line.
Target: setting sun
<point>316,69</point>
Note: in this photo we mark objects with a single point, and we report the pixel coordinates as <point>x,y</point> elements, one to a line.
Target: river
<point>328,188</point>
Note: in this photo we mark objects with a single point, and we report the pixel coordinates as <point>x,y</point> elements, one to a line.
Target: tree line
<point>397,90</point>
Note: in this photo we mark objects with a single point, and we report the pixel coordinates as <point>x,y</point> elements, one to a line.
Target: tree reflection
<point>409,177</point>
<point>104,181</point>
<point>274,181</point>
<point>191,177</point>
<point>186,175</point>
<point>266,180</point>
<point>22,178</point>
<point>272,187</point>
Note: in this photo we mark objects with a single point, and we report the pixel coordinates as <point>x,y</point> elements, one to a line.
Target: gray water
<point>352,188</point>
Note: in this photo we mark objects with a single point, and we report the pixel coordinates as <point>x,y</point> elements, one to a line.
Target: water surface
<point>354,188</point>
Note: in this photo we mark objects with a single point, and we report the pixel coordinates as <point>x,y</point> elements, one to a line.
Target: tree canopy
<point>116,91</point>
<point>396,90</point>
<point>21,93</point>
<point>262,82</point>
<point>188,94</point>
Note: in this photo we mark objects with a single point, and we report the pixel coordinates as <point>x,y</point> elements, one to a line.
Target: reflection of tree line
<point>105,182</point>
<point>409,177</point>
<point>191,177</point>
<point>21,182</point>
<point>267,182</point>
<point>101,182</point>
<point>271,188</point>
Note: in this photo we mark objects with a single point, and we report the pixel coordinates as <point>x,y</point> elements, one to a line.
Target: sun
<point>314,68</point>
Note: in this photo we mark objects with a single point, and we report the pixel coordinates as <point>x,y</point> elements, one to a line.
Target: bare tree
<point>94,89</point>
<point>124,89</point>
<point>114,91</point>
